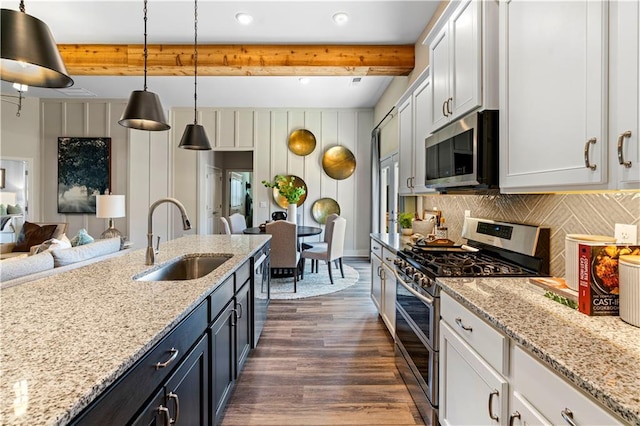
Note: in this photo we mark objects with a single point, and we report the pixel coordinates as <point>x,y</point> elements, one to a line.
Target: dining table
<point>303,231</point>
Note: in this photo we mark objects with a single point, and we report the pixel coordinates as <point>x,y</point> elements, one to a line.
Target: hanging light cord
<point>145,45</point>
<point>22,6</point>
<point>195,61</point>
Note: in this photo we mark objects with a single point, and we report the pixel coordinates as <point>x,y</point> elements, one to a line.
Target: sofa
<point>25,240</point>
<point>20,269</point>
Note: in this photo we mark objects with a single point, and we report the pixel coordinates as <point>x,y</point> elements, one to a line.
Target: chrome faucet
<point>186,225</point>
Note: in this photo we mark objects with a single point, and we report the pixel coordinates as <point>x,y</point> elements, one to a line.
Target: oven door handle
<point>422,297</point>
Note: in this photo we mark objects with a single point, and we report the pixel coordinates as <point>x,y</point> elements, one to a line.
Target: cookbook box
<point>598,278</point>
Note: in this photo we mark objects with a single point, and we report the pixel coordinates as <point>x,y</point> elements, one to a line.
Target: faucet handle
<point>157,245</point>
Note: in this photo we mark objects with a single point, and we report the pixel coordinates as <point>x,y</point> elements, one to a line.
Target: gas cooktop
<point>493,249</point>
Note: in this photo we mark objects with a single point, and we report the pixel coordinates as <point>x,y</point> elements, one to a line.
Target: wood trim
<point>239,60</point>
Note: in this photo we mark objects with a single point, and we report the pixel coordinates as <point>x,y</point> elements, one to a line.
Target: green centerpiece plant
<point>286,187</point>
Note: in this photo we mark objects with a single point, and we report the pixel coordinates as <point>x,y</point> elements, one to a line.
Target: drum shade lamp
<point>195,136</point>
<point>109,207</point>
<point>29,53</point>
<point>144,110</point>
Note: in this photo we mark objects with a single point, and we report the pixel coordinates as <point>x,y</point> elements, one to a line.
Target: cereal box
<point>598,278</point>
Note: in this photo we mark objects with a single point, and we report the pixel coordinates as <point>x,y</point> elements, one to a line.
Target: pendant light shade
<point>29,53</point>
<point>195,137</point>
<point>144,110</point>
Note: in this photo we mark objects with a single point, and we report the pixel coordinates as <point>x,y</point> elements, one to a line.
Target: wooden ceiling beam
<point>239,60</point>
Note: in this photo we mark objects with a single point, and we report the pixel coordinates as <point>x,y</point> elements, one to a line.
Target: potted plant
<point>406,223</point>
<point>286,187</point>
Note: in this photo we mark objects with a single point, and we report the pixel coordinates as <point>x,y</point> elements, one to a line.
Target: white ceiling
<point>275,22</point>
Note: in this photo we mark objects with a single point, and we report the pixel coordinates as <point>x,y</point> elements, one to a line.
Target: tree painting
<point>83,172</point>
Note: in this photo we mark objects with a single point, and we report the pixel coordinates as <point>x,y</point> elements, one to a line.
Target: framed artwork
<point>84,171</point>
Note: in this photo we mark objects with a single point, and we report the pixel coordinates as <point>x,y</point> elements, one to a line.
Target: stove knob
<point>409,270</point>
<point>398,262</point>
<point>424,281</point>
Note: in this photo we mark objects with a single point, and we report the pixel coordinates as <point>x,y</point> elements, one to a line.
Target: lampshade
<point>194,137</point>
<point>8,198</point>
<point>144,112</point>
<point>110,206</point>
<point>29,52</point>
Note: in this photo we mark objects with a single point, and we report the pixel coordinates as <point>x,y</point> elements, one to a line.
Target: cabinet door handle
<point>174,355</point>
<point>383,274</point>
<point>462,326</point>
<point>626,134</point>
<point>587,163</point>
<point>449,103</point>
<point>491,395</point>
<point>165,411</point>
<point>234,318</point>
<point>408,184</point>
<point>567,416</point>
<point>176,400</point>
<point>444,108</point>
<point>376,248</point>
<point>241,308</point>
<point>513,417</point>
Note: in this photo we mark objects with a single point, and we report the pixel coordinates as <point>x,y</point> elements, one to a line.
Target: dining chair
<point>320,244</point>
<point>225,225</point>
<point>334,250</point>
<point>238,223</point>
<point>284,252</point>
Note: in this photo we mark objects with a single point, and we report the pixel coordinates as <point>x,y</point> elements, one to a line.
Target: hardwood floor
<point>326,360</point>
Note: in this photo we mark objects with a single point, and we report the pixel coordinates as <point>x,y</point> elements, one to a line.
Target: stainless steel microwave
<point>464,155</point>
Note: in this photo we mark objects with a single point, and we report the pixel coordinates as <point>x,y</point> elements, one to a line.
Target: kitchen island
<point>598,355</point>
<point>66,338</point>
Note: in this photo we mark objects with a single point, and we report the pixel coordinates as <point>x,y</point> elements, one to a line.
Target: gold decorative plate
<point>302,142</point>
<point>323,208</point>
<point>338,162</point>
<point>282,202</point>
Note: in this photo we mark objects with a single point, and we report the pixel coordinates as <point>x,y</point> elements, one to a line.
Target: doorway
<point>213,200</point>
<point>240,194</point>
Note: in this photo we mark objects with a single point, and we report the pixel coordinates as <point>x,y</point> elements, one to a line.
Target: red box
<point>598,278</point>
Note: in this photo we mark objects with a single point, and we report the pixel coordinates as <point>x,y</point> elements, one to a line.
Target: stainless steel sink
<point>187,267</point>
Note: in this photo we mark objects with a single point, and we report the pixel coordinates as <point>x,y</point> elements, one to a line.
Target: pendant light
<point>144,110</point>
<point>29,53</point>
<point>194,136</point>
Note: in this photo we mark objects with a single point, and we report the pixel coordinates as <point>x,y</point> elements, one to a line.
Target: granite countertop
<point>66,337</point>
<point>395,242</point>
<point>600,355</point>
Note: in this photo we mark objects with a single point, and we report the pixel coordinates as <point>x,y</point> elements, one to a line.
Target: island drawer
<point>484,339</point>
<point>243,273</point>
<point>121,401</point>
<point>220,297</point>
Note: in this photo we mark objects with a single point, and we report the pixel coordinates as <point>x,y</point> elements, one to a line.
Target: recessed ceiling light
<point>244,18</point>
<point>340,18</point>
<point>304,80</point>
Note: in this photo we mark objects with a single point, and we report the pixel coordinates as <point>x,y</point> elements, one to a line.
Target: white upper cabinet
<point>414,126</point>
<point>553,95</point>
<point>463,61</point>
<point>624,99</point>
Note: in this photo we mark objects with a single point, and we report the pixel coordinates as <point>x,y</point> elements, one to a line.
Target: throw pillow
<point>14,209</point>
<point>53,243</point>
<point>81,238</point>
<point>3,210</point>
<point>32,234</point>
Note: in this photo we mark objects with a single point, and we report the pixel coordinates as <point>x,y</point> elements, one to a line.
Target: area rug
<point>314,284</point>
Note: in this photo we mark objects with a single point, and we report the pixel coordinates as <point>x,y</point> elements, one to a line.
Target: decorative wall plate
<point>302,142</point>
<point>323,208</point>
<point>338,162</point>
<point>282,202</point>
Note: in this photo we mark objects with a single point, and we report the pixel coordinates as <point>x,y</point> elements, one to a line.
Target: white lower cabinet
<point>551,397</point>
<point>471,392</point>
<point>485,380</point>
<point>383,284</point>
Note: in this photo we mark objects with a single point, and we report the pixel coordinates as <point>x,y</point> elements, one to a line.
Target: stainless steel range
<point>493,249</point>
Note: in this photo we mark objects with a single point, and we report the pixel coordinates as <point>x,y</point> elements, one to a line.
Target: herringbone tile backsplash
<point>562,213</point>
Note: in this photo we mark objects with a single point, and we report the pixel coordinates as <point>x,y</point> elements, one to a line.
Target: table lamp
<point>109,207</point>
